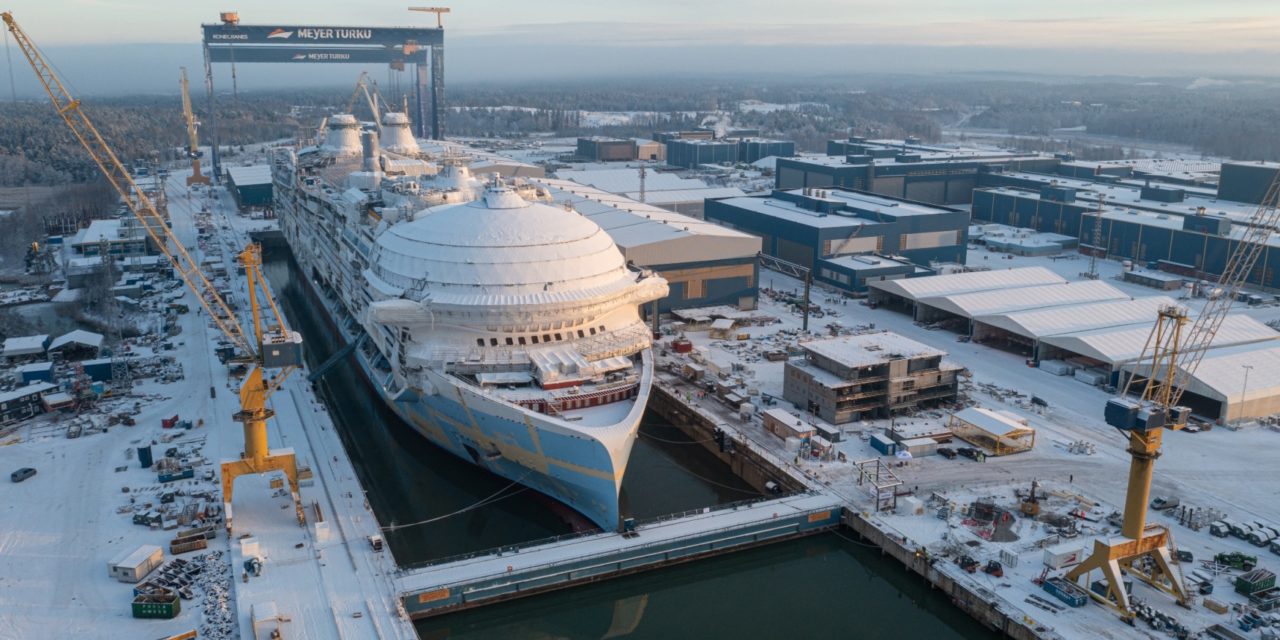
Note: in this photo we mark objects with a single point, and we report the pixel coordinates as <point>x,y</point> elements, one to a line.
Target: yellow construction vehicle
<point>193,140</point>
<point>1169,360</point>
<point>268,347</point>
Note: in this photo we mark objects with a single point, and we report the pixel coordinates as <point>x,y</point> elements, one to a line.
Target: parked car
<point>22,474</point>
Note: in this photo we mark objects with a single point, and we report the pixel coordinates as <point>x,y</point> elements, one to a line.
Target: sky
<point>127,45</point>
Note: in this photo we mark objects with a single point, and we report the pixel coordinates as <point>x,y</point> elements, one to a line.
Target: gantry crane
<point>272,347</point>
<point>193,140</point>
<point>1169,360</point>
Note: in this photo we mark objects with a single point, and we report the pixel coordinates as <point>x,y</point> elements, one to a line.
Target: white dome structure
<point>342,136</point>
<point>396,136</point>
<point>504,250</point>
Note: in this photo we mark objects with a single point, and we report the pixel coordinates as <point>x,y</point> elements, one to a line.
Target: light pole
<point>1243,390</point>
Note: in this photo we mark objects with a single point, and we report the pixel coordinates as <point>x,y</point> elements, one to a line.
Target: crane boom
<point>193,141</point>
<point>114,171</point>
<point>277,348</point>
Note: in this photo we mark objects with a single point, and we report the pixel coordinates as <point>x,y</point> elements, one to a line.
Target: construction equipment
<point>1164,371</point>
<point>371,99</point>
<point>1092,273</point>
<point>439,11</point>
<point>274,346</point>
<point>193,141</point>
<point>1031,506</point>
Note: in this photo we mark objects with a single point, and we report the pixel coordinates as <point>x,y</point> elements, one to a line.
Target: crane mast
<point>193,141</point>
<point>1170,357</point>
<point>274,346</point>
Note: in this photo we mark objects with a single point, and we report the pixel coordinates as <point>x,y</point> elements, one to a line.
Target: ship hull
<point>520,445</point>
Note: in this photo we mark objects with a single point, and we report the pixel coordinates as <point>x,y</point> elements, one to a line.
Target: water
<point>409,480</point>
<point>819,587</point>
<point>825,586</point>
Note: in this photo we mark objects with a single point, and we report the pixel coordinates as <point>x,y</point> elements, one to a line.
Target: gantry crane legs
<point>1143,551</point>
<point>275,347</point>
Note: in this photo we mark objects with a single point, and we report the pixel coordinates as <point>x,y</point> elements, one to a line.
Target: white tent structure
<point>1244,382</point>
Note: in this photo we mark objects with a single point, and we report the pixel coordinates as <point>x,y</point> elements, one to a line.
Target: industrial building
<point>704,264</point>
<point>23,402</point>
<point>77,345</point>
<point>250,186</point>
<point>934,175</point>
<point>662,189</point>
<point>123,237</point>
<point>692,153</point>
<point>1234,383</point>
<point>1246,181</point>
<point>871,375</point>
<point>25,348</point>
<point>605,149</point>
<point>1162,227</point>
<point>811,227</point>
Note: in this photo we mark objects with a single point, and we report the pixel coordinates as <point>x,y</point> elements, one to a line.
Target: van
<point>22,474</point>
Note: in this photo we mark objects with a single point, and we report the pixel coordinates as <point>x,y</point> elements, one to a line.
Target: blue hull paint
<point>595,498</point>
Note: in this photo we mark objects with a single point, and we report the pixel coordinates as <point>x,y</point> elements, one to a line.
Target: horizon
<point>582,40</point>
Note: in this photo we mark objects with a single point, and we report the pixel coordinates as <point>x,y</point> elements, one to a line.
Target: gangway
<point>336,358</point>
<point>507,573</point>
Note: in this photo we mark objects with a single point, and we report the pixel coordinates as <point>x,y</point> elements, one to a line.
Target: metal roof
<point>79,336</point>
<point>1038,323</point>
<point>25,345</point>
<point>969,305</point>
<point>1122,344</point>
<point>968,282</point>
<point>993,422</point>
<point>256,175</point>
<point>870,348</point>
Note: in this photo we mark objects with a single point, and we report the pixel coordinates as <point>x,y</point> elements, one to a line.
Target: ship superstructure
<point>502,326</point>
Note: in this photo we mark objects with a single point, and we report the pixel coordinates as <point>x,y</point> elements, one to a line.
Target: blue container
<point>144,456</point>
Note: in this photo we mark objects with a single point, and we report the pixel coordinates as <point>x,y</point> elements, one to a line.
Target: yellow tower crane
<point>268,347</point>
<point>1169,360</point>
<point>193,140</point>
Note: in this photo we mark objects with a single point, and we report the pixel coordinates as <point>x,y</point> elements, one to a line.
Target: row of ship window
<point>546,337</point>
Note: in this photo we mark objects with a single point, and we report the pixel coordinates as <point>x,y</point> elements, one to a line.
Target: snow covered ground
<point>62,526</point>
<point>1231,471</point>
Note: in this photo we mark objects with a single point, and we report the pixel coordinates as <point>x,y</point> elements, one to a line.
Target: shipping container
<point>1067,592</point>
<point>1063,555</point>
<point>883,444</point>
<point>134,565</point>
<point>171,476</point>
<point>163,606</point>
<point>188,544</point>
<point>144,456</point>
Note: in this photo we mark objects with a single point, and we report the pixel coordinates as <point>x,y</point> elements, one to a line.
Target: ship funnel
<point>396,136</point>
<point>343,135</point>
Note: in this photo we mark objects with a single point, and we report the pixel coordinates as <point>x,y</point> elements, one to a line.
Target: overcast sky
<point>97,42</point>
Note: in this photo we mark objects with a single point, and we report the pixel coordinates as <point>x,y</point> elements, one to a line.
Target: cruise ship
<point>502,326</point>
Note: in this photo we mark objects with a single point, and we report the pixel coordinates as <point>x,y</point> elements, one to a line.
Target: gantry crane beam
<point>276,346</point>
<point>193,140</point>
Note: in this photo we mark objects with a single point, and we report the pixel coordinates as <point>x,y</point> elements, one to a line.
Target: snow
<point>64,524</point>
<point>870,349</point>
<point>1219,469</point>
<point>24,345</point>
